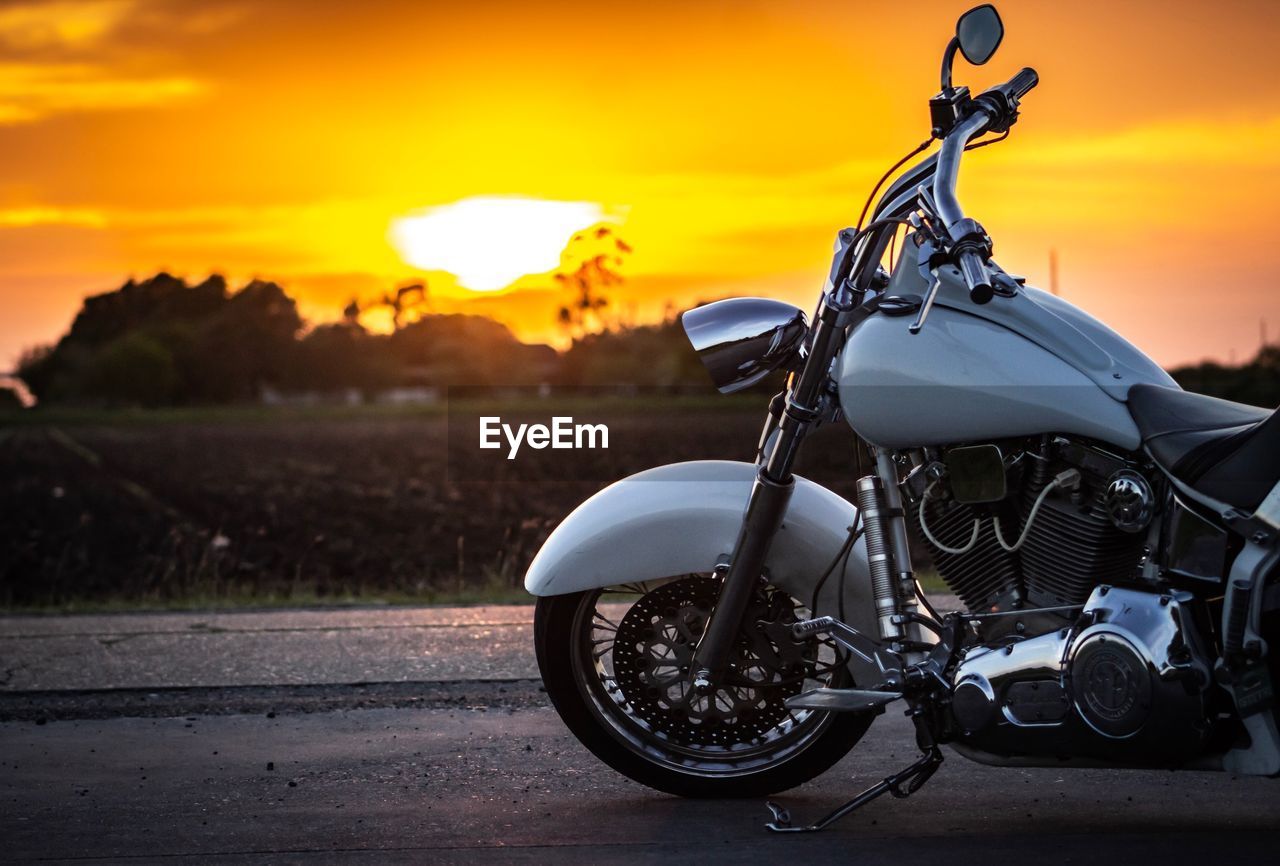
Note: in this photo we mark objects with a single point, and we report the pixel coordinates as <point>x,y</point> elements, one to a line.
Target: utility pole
<point>1053,271</point>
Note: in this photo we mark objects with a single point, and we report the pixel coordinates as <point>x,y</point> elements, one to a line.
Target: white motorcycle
<point>725,629</point>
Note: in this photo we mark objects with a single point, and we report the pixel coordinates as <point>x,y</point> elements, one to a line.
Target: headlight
<point>742,340</point>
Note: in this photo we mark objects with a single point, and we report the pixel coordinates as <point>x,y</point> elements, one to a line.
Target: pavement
<point>422,735</point>
<point>266,648</point>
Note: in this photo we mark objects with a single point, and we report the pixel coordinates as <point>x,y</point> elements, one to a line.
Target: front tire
<point>640,718</point>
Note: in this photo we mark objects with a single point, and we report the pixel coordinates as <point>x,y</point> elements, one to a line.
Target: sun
<point>490,242</point>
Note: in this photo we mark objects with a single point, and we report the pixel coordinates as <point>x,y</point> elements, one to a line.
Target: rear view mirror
<point>979,32</point>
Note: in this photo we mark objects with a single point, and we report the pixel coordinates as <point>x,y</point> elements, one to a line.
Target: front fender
<point>680,519</point>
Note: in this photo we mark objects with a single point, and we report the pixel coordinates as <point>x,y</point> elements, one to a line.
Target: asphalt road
<point>482,771</point>
<point>273,648</point>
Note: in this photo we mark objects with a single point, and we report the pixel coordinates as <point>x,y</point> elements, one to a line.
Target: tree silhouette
<point>9,399</point>
<point>161,341</point>
<point>590,265</point>
<point>1256,382</point>
<point>405,300</point>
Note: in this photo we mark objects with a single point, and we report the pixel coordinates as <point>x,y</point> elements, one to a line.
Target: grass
<point>932,582</point>
<point>235,507</point>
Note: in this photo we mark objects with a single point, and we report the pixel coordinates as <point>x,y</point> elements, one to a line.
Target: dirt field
<point>295,507</point>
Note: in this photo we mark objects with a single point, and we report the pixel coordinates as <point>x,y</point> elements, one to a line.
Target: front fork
<point>878,497</point>
<point>765,509</point>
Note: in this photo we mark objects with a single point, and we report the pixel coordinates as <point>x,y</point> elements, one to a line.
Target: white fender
<point>681,518</point>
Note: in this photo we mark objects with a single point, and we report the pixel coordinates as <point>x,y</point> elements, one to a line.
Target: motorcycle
<point>729,629</point>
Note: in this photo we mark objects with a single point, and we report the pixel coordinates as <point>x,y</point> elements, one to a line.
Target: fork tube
<point>773,485</point>
<point>765,509</point>
<point>804,396</point>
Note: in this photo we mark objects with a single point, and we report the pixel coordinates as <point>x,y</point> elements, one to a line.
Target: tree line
<point>164,342</point>
<point>1256,382</point>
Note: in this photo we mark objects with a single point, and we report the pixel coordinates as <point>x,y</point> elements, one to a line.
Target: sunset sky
<point>338,147</point>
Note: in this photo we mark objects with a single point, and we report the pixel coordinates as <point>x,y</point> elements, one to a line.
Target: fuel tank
<point>1016,366</point>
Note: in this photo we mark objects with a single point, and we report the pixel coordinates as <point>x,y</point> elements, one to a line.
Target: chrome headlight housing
<point>742,340</point>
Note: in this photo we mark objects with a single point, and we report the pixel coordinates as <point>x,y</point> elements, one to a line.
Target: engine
<point>1079,538</point>
<point>1113,673</point>
<point>1128,681</point>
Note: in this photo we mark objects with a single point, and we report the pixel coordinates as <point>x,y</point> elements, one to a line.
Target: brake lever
<point>928,303</point>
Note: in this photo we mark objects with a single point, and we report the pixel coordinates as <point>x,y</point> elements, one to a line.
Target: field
<point>289,506</point>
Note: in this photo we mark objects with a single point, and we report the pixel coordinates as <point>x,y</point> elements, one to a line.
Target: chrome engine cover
<point>1127,683</point>
<point>1129,501</point>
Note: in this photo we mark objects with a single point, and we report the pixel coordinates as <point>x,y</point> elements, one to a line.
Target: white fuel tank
<point>1016,366</point>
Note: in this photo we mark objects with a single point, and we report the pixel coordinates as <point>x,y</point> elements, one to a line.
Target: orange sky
<point>730,141</point>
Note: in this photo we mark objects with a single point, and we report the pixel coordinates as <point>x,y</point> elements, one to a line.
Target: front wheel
<point>615,663</point>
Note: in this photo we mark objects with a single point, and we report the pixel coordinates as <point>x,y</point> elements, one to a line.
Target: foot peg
<point>865,648</point>
<point>781,817</point>
<point>841,700</point>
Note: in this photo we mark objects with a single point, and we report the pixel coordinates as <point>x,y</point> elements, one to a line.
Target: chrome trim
<point>1169,677</point>
<point>742,340</point>
<point>944,179</point>
<point>1129,501</point>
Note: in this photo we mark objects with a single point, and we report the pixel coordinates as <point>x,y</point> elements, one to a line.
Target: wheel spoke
<point>603,622</point>
<point>643,658</point>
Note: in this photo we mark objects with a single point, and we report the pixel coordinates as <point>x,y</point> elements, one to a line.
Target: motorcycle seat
<point>1226,451</point>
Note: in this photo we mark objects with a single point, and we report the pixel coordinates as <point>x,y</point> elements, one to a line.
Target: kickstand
<point>901,784</point>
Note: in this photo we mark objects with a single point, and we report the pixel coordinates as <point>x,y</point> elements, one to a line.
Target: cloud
<point>1194,140</point>
<point>70,56</point>
<point>61,29</point>
<point>51,216</point>
<point>32,92</point>
<point>27,28</point>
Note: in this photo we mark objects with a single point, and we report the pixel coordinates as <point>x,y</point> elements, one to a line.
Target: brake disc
<point>653,652</point>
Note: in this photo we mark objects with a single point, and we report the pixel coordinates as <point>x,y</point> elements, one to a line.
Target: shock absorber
<point>879,556</point>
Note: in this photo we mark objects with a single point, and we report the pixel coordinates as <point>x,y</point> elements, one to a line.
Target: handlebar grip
<point>1001,101</point>
<point>976,277</point>
<point>1022,83</point>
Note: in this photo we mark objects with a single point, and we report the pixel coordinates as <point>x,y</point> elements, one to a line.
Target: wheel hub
<point>653,651</point>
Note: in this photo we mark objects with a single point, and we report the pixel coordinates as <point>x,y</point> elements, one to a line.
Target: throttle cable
<point>921,148</point>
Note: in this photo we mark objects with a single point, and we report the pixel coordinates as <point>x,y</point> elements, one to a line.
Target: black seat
<point>1227,451</point>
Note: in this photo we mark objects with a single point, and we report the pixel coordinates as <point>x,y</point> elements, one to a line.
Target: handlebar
<point>944,177</point>
<point>996,109</point>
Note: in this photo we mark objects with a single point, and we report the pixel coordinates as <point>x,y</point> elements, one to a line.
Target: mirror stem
<point>948,57</point>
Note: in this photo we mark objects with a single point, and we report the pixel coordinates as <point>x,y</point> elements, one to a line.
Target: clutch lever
<point>934,242</point>
<point>928,302</point>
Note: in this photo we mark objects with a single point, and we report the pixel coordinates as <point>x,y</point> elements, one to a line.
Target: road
<point>269,647</point>
<point>481,771</point>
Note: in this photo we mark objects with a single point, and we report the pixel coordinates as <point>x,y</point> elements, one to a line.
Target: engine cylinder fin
<point>1072,548</point>
<point>980,577</point>
<point>1072,545</point>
